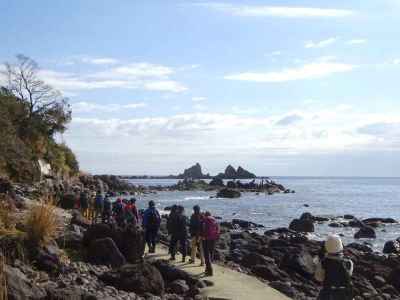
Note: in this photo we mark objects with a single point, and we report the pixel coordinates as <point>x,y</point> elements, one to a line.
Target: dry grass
<point>41,223</point>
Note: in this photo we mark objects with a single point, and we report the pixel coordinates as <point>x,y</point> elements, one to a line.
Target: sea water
<point>332,196</point>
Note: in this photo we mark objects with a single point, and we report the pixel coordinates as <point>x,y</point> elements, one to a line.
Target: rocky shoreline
<point>100,261</point>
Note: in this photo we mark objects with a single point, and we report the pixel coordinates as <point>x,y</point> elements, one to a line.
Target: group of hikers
<point>334,271</point>
<point>203,228</point>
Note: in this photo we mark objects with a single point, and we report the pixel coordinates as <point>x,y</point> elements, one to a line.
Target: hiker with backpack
<point>131,213</point>
<point>151,224</point>
<point>334,271</point>
<point>210,237</point>
<point>179,233</point>
<point>195,228</point>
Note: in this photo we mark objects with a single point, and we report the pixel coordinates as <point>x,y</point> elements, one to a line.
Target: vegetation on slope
<point>31,114</point>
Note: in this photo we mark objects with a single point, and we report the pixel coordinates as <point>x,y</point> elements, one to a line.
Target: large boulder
<point>302,225</point>
<point>391,247</point>
<point>365,232</point>
<point>228,193</point>
<point>130,240</point>
<point>19,287</point>
<point>301,263</point>
<point>138,278</point>
<point>105,252</point>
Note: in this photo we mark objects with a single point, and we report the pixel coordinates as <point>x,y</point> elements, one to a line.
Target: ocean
<point>332,196</point>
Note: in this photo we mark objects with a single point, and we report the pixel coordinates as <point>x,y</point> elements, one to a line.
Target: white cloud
<point>313,70</point>
<point>320,44</point>
<point>83,107</point>
<point>396,61</point>
<point>199,107</point>
<point>357,41</point>
<point>276,11</point>
<point>99,60</point>
<point>198,99</point>
<point>142,75</point>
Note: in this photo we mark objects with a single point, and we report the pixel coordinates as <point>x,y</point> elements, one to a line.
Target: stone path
<point>228,284</point>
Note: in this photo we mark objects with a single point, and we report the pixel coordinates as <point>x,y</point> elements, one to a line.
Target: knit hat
<point>333,244</point>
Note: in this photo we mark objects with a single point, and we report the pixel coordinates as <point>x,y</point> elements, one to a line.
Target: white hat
<point>333,244</point>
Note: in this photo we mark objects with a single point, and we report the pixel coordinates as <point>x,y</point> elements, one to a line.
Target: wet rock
<point>105,252</point>
<point>217,182</point>
<point>228,193</point>
<point>365,232</point>
<point>392,247</point>
<point>138,278</point>
<point>300,225</point>
<point>246,224</point>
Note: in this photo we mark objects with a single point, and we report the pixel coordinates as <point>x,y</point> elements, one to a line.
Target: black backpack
<point>153,220</point>
<point>337,275</point>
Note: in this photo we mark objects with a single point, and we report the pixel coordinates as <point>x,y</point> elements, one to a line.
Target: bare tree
<point>23,81</point>
<point>42,101</point>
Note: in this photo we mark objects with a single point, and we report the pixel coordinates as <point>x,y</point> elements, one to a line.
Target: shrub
<point>41,224</point>
<point>7,218</point>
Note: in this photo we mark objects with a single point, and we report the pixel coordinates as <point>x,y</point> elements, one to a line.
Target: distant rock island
<point>196,172</point>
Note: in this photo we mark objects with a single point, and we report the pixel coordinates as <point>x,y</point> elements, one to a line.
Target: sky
<point>282,88</point>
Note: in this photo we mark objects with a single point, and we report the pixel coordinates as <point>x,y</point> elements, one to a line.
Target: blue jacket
<point>147,213</point>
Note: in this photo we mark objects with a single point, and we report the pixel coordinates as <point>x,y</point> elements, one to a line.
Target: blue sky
<point>279,87</point>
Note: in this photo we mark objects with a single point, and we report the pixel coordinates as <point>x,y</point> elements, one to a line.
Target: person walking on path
<point>84,203</point>
<point>98,205</point>
<point>179,233</point>
<point>151,224</point>
<point>131,212</point>
<point>195,228</point>
<point>334,271</point>
<point>107,210</point>
<point>210,237</point>
<point>170,225</point>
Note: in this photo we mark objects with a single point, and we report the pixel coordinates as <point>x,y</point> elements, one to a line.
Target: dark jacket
<point>179,226</point>
<point>195,226</point>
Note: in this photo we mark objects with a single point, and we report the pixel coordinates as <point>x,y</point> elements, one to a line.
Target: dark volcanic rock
<point>228,193</point>
<point>78,219</point>
<point>246,224</point>
<point>105,252</point>
<point>130,240</point>
<point>217,182</point>
<point>365,232</point>
<point>392,247</point>
<point>194,172</point>
<point>304,225</point>
<point>19,287</point>
<point>139,278</point>
<point>244,174</point>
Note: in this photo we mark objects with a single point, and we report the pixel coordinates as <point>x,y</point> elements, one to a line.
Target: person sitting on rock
<point>195,228</point>
<point>151,224</point>
<point>334,271</point>
<point>210,236</point>
<point>179,233</point>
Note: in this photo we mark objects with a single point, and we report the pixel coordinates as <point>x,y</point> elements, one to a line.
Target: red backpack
<point>211,229</point>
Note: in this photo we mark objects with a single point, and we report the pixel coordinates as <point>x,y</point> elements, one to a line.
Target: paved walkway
<point>228,284</point>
